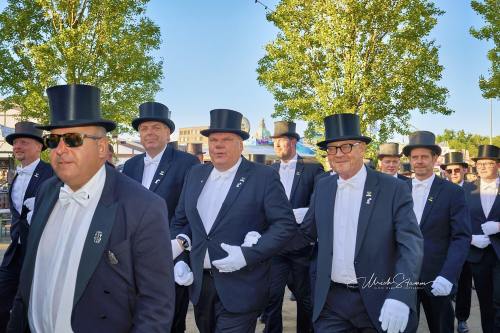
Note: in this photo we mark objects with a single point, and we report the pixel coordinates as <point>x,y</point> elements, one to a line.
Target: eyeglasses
<point>346,148</point>
<point>450,171</point>
<point>71,140</point>
<point>485,164</point>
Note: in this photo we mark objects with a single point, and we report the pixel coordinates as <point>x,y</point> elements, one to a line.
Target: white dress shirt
<point>345,226</point>
<point>420,192</point>
<point>58,256</point>
<point>150,166</point>
<point>488,192</point>
<point>21,184</point>
<point>212,197</point>
<point>287,173</point>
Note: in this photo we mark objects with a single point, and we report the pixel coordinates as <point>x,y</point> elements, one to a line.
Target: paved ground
<point>289,311</point>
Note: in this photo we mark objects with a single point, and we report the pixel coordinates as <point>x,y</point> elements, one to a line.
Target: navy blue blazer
<point>19,225</point>
<point>445,225</point>
<point>477,218</point>
<point>389,245</point>
<point>304,179</point>
<point>404,178</point>
<point>256,201</point>
<point>169,176</point>
<point>135,294</point>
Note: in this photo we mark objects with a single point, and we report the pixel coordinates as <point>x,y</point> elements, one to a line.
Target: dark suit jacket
<point>388,241</point>
<point>477,218</point>
<point>169,176</point>
<point>19,225</point>
<point>445,225</point>
<point>256,201</point>
<point>403,177</point>
<point>300,194</point>
<point>134,295</point>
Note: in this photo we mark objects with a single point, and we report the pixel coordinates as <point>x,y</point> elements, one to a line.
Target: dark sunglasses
<point>71,140</point>
<point>450,171</point>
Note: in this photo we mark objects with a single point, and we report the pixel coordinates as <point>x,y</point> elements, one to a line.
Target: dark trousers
<point>438,311</point>
<point>210,315</point>
<point>464,293</point>
<point>343,312</point>
<point>181,308</point>
<point>292,266</point>
<point>486,275</point>
<point>9,281</point>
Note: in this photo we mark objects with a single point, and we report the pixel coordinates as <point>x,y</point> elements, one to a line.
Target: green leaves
<point>106,43</point>
<point>372,58</point>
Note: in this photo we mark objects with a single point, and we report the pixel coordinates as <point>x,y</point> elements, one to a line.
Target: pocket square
<point>112,258</point>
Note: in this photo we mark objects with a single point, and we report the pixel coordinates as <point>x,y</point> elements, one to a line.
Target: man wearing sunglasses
<point>27,144</point>
<point>484,254</point>
<point>99,255</point>
<point>161,169</point>
<point>455,169</point>
<point>366,233</point>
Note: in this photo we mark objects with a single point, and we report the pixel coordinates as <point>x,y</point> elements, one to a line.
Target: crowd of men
<point>96,250</point>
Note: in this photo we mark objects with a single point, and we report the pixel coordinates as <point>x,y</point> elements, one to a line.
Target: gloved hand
<point>251,238</point>
<point>490,227</point>
<point>234,260</point>
<point>480,241</point>
<point>441,287</point>
<point>300,213</point>
<point>182,274</point>
<point>394,316</point>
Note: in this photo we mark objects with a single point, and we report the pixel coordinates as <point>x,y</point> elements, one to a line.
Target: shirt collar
<point>395,175</point>
<point>426,182</point>
<point>490,185</point>
<point>157,158</point>
<point>216,174</point>
<point>461,183</point>
<point>358,180</point>
<point>290,163</point>
<point>30,168</point>
<point>93,185</point>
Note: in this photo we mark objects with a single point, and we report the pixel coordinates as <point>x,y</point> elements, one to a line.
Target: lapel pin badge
<point>157,181</point>
<point>97,237</point>
<point>368,201</point>
<point>35,175</point>
<point>298,173</point>
<point>430,199</point>
<point>112,258</point>
<point>241,181</point>
<point>162,173</point>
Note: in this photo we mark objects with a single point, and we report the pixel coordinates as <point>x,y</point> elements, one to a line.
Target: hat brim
<point>322,144</point>
<point>443,166</point>
<point>389,155</point>
<point>290,135</point>
<point>206,132</point>
<point>137,121</point>
<point>107,124</point>
<point>11,137</point>
<point>485,158</point>
<point>435,148</point>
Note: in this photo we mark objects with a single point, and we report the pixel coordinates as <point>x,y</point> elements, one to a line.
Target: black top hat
<point>340,127</point>
<point>75,105</point>
<point>25,129</point>
<point>422,139</point>
<point>490,152</point>
<point>153,111</point>
<point>257,158</point>
<point>454,157</point>
<point>285,128</point>
<point>389,149</point>
<point>405,167</point>
<point>195,148</point>
<point>226,121</point>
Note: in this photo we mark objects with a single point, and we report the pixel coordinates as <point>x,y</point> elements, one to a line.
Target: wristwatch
<point>183,241</point>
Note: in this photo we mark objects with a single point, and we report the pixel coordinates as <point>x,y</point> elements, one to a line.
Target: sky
<point>210,51</point>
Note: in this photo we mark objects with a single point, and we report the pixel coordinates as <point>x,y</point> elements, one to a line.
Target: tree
<point>369,57</point>
<point>106,43</point>
<point>489,9</point>
<point>460,140</point>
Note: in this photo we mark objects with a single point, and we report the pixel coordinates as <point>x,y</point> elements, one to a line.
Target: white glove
<point>251,238</point>
<point>300,213</point>
<point>394,316</point>
<point>490,227</point>
<point>234,260</point>
<point>30,203</point>
<point>182,273</point>
<point>480,241</point>
<point>441,287</point>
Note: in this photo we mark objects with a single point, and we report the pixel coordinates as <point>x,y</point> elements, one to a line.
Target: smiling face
<point>346,164</point>
<point>75,166</point>
<point>26,150</point>
<point>154,136</point>
<point>487,168</point>
<point>225,149</point>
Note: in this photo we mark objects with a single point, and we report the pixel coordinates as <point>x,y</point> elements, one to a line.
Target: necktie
<point>80,197</point>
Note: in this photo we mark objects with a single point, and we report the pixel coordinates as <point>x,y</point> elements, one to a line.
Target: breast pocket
<point>119,258</point>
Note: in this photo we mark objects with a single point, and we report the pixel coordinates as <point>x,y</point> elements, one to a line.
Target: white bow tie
<point>220,176</point>
<point>21,171</point>
<point>80,197</point>
<point>418,184</point>
<point>148,161</point>
<point>488,186</point>
<point>342,184</point>
<point>288,165</point>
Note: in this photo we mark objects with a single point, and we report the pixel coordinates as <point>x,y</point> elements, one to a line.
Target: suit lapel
<point>11,187</point>
<point>299,169</point>
<point>33,183</point>
<point>98,234</point>
<point>495,207</point>
<point>238,183</point>
<point>436,186</point>
<point>326,213</point>
<point>138,171</point>
<point>199,184</point>
<point>161,171</point>
<point>475,201</point>
<point>370,194</point>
